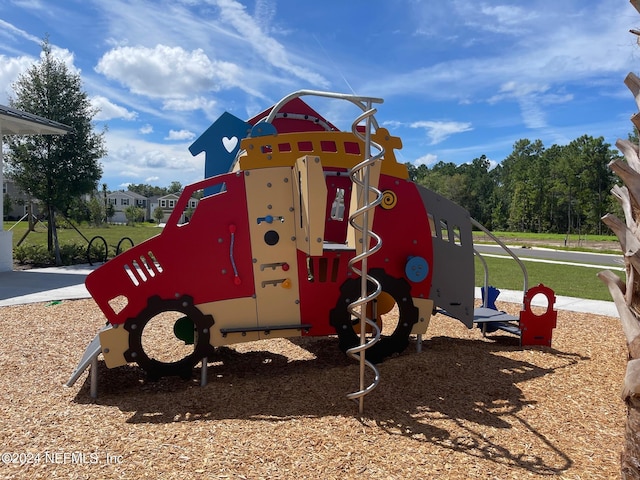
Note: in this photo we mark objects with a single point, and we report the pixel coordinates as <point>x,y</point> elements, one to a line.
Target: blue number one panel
<point>220,144</point>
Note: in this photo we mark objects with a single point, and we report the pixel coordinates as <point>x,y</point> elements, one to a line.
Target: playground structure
<point>303,230</point>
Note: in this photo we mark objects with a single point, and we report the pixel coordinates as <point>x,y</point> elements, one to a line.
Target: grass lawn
<point>562,241</point>
<point>565,280</point>
<point>552,237</point>
<point>111,233</point>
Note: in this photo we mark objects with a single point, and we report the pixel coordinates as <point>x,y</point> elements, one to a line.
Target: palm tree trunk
<point>629,460</point>
<point>626,296</point>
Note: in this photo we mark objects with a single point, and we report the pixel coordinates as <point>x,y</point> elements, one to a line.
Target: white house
<point>122,199</point>
<point>19,201</point>
<point>167,203</point>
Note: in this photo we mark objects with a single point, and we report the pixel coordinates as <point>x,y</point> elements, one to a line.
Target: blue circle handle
<point>416,269</point>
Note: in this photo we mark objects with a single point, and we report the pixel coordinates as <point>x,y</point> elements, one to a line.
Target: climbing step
<point>266,329</point>
<point>490,319</point>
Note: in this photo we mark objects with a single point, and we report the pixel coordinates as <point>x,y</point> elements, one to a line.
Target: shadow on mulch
<point>463,381</point>
<point>459,378</point>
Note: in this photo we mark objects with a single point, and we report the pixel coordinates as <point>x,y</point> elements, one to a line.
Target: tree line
<point>560,189</point>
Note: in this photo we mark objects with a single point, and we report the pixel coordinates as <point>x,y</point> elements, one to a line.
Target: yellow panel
<point>114,343</point>
<point>354,237</point>
<point>285,148</point>
<point>275,269</point>
<point>425,306</point>
<point>234,313</point>
<point>310,203</point>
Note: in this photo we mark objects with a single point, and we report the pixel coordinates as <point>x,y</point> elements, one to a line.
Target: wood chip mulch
<point>466,407</point>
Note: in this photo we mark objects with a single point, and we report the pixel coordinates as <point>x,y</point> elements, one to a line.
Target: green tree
<point>110,212</point>
<point>77,210</point>
<point>133,214</point>
<point>147,190</point>
<point>521,183</point>
<point>554,189</point>
<point>417,173</point>
<point>158,214</point>
<point>581,185</point>
<point>96,211</point>
<point>175,187</point>
<point>593,180</point>
<point>55,169</point>
<point>470,185</point>
<point>478,198</point>
<point>104,202</point>
<point>559,189</point>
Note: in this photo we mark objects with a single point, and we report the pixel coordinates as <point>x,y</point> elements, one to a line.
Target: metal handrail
<point>364,103</point>
<point>506,249</point>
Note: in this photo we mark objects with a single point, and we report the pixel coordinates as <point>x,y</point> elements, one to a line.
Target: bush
<point>96,254</point>
<point>70,254</point>
<point>36,255</point>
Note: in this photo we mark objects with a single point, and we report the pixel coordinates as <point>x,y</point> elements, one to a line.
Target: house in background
<point>122,199</point>
<point>18,201</point>
<point>167,203</point>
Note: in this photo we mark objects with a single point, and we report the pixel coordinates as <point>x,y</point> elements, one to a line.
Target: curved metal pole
<point>508,250</point>
<point>485,285</point>
<point>361,102</point>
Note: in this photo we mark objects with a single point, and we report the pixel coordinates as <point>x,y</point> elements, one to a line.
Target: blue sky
<point>460,78</point>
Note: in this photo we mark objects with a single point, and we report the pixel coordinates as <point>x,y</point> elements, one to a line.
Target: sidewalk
<point>66,283</point>
<point>43,284</point>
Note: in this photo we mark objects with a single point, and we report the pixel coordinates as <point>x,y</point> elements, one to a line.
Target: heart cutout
<point>229,143</point>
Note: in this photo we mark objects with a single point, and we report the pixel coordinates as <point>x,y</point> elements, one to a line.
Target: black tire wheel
<point>397,341</point>
<point>151,360</point>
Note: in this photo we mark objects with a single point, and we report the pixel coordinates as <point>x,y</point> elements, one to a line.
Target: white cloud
<point>506,19</point>
<point>180,135</point>
<point>167,72</point>
<point>233,13</point>
<point>392,124</point>
<point>109,110</point>
<point>428,160</point>
<point>440,131</point>
<point>146,129</point>
<point>189,104</point>
<point>531,99</point>
<point>18,32</point>
<point>10,69</point>
<point>264,13</point>
<point>136,159</point>
<point>223,46</point>
<point>65,56</point>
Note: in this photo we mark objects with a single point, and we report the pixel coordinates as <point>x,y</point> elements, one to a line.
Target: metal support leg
<point>93,391</point>
<point>203,372</point>
<point>419,343</point>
